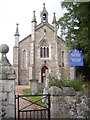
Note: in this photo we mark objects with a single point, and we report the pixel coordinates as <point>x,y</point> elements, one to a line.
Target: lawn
<point>34,98</point>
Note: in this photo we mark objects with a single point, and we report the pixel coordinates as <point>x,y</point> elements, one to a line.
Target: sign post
<point>75,58</point>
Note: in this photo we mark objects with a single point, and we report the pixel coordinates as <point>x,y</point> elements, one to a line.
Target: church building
<point>41,50</point>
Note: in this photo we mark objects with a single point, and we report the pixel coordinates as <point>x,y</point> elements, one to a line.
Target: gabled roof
<point>43,24</point>
<point>25,38</point>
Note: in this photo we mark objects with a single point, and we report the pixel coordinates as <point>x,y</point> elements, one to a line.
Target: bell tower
<point>44,15</point>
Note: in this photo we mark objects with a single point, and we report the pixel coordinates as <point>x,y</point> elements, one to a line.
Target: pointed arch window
<point>44,48</point>
<point>44,52</point>
<point>24,59</point>
<point>41,52</point>
<point>44,17</point>
<point>47,51</point>
<point>62,58</point>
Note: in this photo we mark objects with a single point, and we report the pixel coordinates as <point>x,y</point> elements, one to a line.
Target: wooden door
<point>42,73</point>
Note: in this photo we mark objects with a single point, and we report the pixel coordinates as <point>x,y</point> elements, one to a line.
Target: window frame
<point>44,53</point>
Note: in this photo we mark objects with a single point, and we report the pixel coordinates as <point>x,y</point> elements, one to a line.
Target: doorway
<point>43,70</point>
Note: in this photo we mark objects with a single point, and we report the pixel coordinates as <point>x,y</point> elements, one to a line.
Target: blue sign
<point>75,58</point>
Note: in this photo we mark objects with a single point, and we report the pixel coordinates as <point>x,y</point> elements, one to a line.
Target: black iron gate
<point>28,109</point>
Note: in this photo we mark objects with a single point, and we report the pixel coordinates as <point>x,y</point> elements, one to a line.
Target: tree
<point>74,27</point>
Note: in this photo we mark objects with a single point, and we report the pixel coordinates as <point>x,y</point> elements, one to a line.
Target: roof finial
<point>17,31</point>
<point>54,19</point>
<point>44,6</point>
<point>34,17</point>
<point>17,28</point>
<point>17,24</point>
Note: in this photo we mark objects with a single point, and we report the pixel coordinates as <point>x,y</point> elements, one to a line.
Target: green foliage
<point>76,84</point>
<point>74,28</point>
<point>53,81</point>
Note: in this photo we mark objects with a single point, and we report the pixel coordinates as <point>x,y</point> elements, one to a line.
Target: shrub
<point>77,84</point>
<point>53,81</point>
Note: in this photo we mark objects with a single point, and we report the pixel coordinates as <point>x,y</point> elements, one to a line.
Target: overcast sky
<point>21,11</point>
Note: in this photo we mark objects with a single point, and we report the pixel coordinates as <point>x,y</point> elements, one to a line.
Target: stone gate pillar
<point>7,85</point>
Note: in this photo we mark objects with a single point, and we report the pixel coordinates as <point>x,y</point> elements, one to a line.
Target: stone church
<point>41,50</point>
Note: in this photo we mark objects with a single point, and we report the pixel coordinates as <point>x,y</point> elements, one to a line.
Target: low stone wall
<point>68,103</point>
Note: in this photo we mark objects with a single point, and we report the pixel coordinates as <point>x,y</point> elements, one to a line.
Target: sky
<point>21,12</point>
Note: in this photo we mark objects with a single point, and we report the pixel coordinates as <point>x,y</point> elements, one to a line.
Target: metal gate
<point>28,109</point>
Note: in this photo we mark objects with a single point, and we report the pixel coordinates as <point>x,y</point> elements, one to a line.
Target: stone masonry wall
<point>68,103</point>
<point>7,86</point>
<point>7,99</point>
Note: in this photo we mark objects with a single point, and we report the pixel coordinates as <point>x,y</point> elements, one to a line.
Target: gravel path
<point>19,89</point>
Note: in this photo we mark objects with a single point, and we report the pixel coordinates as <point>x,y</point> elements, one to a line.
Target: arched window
<point>44,17</point>
<point>47,52</point>
<point>24,59</point>
<point>62,58</point>
<point>44,48</point>
<point>41,52</point>
<point>44,52</point>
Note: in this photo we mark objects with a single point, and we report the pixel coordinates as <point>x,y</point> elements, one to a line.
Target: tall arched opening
<point>43,71</point>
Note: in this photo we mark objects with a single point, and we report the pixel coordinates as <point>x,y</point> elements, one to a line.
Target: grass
<point>34,98</point>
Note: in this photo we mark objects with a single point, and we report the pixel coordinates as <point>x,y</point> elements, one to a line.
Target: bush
<point>76,84</point>
<point>53,81</point>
